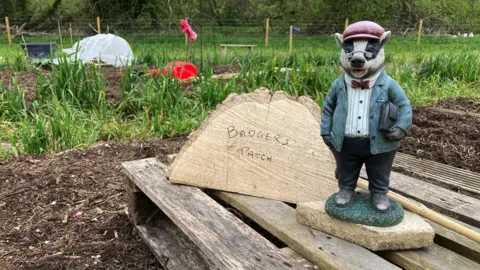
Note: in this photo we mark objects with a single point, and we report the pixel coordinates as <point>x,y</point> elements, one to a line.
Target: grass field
<point>70,107</point>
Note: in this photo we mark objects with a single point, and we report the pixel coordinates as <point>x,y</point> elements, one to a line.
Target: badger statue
<point>353,114</point>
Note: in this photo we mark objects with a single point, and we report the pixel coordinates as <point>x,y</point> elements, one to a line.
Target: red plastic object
<point>181,70</point>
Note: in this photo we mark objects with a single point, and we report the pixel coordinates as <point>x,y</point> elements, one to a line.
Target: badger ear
<point>385,38</point>
<point>339,39</point>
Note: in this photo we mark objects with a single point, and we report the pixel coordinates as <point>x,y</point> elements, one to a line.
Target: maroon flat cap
<point>363,29</point>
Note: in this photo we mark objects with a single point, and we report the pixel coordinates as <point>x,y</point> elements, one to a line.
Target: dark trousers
<point>356,152</point>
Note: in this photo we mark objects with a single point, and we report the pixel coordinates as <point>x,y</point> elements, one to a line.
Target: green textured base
<point>362,211</point>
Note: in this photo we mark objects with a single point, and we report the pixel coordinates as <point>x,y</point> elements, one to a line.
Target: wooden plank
<point>264,144</point>
<point>457,112</point>
<point>447,202</point>
<point>457,242</point>
<point>225,76</point>
<point>299,259</point>
<point>223,238</point>
<point>170,245</point>
<point>323,250</point>
<point>171,157</point>
<point>317,247</point>
<point>433,257</point>
<point>445,175</point>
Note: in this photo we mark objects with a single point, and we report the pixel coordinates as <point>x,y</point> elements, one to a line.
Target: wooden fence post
<point>7,24</point>
<point>267,26</point>
<point>60,33</point>
<point>420,32</point>
<point>99,29</point>
<point>71,33</point>
<point>346,23</point>
<point>291,39</point>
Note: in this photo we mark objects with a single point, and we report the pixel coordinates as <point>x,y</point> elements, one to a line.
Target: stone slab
<point>412,233</point>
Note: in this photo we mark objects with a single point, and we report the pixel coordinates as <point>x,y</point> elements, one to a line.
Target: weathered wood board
<point>171,247</point>
<point>323,250</point>
<point>168,243</point>
<point>223,239</point>
<point>328,251</point>
<point>261,144</point>
<point>458,206</point>
<point>432,258</point>
<point>457,242</point>
<point>299,259</point>
<point>457,112</point>
<point>445,175</point>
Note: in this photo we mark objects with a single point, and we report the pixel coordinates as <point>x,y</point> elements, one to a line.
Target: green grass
<point>70,108</point>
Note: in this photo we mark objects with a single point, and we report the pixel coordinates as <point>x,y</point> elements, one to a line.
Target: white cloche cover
<point>109,48</point>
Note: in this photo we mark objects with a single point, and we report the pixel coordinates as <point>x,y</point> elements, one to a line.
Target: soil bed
<point>445,138</point>
<point>68,211</point>
<point>219,69</point>
<point>461,104</point>
<point>28,80</point>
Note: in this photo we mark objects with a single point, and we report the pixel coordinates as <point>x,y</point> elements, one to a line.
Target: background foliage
<point>400,15</point>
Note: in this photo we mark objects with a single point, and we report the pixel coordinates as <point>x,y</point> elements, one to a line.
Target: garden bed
<point>67,211</point>
<point>444,137</point>
<point>28,80</point>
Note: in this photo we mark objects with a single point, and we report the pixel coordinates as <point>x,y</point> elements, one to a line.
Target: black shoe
<point>344,197</point>
<point>381,202</point>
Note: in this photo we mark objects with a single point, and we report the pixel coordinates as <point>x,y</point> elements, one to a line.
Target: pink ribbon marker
<point>186,28</point>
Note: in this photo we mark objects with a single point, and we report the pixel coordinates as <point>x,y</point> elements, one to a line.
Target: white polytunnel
<point>107,48</point>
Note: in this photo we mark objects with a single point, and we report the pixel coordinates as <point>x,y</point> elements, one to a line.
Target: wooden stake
<point>60,32</point>
<point>267,26</point>
<point>71,33</point>
<point>7,23</point>
<point>291,39</point>
<point>420,32</point>
<point>346,23</point>
<point>99,29</point>
<point>422,210</point>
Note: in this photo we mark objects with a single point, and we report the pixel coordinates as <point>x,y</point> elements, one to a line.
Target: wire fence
<point>82,27</point>
<point>263,33</point>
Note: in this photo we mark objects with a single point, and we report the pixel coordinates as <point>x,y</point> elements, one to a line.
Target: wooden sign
<point>261,144</point>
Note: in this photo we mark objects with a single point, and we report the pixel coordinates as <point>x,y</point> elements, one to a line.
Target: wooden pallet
<point>463,181</point>
<point>188,228</point>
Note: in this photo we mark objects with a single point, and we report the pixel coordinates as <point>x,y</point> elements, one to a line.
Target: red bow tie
<point>363,85</point>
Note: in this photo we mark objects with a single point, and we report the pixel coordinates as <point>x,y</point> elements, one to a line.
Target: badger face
<point>361,58</point>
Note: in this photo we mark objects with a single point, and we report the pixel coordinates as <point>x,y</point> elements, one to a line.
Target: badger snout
<point>357,62</point>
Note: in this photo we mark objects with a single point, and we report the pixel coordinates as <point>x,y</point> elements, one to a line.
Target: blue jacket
<point>334,113</point>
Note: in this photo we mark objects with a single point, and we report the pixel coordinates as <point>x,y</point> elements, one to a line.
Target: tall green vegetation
<point>70,107</point>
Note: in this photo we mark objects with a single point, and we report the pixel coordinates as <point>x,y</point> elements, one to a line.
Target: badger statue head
<point>362,48</point>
